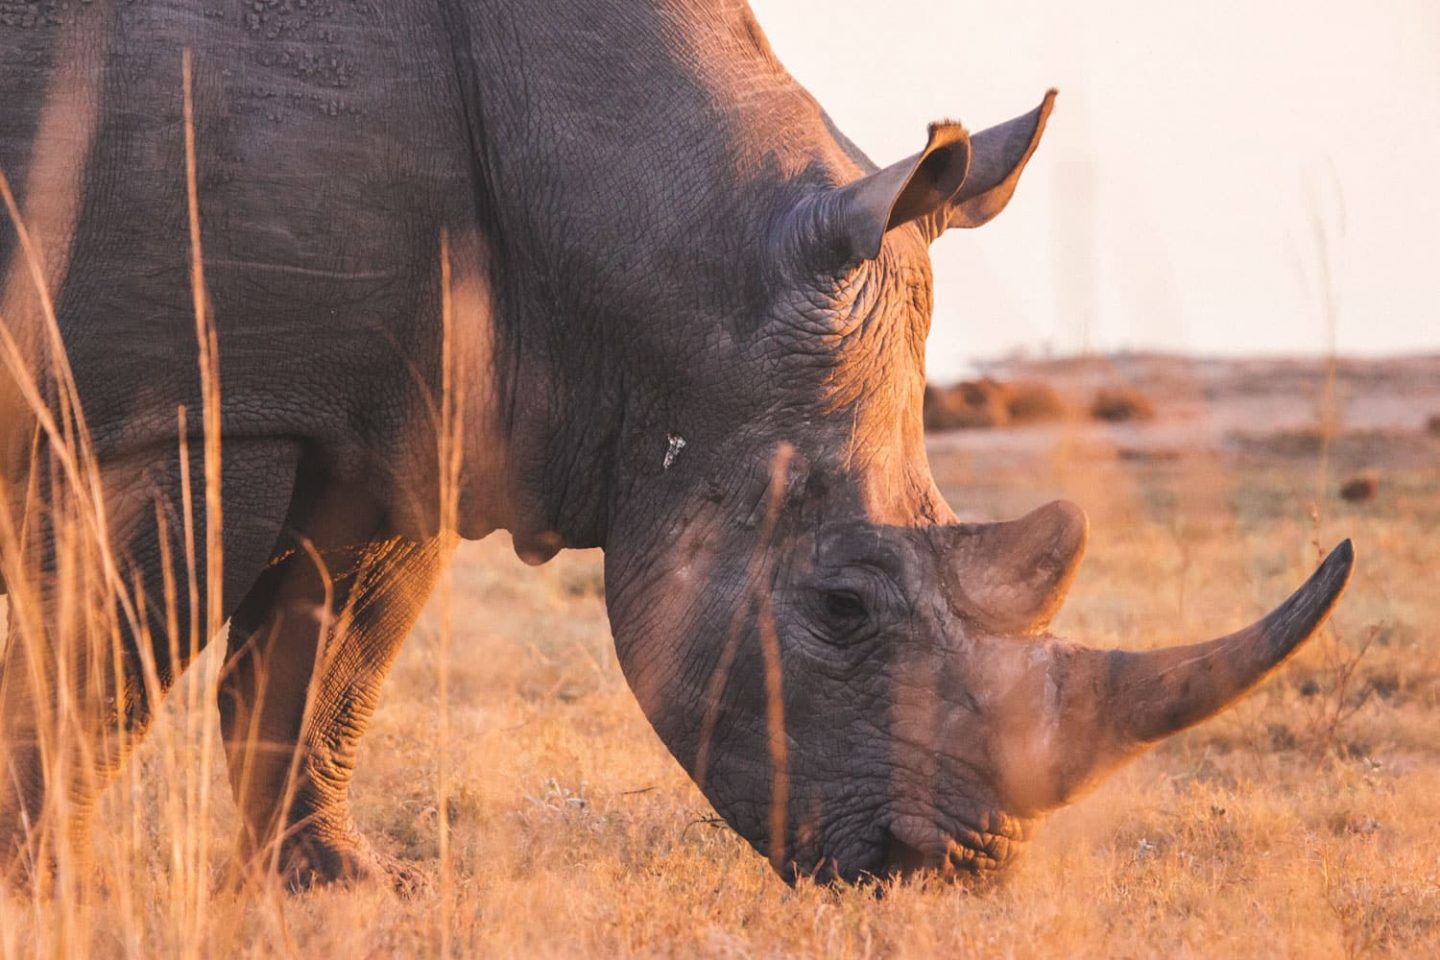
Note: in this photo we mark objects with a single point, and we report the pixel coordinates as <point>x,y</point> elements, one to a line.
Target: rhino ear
<point>857,216</point>
<point>999,154</point>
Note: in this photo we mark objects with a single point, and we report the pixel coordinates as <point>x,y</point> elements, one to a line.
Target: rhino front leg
<point>78,688</point>
<point>309,650</point>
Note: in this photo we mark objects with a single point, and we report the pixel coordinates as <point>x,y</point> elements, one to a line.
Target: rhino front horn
<point>1159,692</point>
<point>1101,708</point>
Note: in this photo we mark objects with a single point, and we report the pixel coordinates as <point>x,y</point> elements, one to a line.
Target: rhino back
<point>612,169</point>
<point>329,156</point>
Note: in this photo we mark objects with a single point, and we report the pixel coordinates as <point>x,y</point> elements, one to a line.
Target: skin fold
<point>601,275</point>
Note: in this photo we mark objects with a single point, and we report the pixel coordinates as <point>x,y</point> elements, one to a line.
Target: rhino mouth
<point>958,852</point>
<point>912,846</point>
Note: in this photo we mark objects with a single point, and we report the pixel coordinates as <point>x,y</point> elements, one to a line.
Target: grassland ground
<point>1301,823</point>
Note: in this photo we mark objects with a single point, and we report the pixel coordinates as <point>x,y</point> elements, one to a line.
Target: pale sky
<point>1192,151</point>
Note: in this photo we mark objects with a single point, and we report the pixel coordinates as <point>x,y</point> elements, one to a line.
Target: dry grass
<point>1300,823</point>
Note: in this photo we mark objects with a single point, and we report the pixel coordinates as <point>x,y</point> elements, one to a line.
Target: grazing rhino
<point>625,270</point>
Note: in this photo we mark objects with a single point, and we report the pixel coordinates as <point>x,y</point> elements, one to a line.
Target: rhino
<point>321,289</point>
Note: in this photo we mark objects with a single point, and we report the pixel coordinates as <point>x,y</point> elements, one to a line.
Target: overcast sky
<point>1194,149</point>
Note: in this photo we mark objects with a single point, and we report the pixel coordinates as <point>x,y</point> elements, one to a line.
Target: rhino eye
<point>843,607</point>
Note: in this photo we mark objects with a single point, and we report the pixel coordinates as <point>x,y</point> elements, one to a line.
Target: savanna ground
<point>1301,823</point>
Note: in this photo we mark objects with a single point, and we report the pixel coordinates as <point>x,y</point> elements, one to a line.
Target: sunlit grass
<point>573,832</point>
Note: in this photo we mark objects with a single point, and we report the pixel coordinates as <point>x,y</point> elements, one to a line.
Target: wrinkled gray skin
<point>655,233</point>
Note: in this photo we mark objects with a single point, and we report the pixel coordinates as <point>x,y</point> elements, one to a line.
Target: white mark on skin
<point>677,443</point>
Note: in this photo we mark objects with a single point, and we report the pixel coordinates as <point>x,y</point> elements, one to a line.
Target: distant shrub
<point>1119,404</point>
<point>971,405</point>
<point>1360,488</point>
<point>1032,401</point>
<point>986,403</point>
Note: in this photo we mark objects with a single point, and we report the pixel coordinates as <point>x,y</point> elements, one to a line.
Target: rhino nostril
<point>901,857</point>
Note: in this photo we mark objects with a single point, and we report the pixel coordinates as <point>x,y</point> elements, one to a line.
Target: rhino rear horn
<point>1012,577</point>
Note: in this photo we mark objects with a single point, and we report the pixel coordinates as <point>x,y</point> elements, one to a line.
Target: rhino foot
<point>311,861</point>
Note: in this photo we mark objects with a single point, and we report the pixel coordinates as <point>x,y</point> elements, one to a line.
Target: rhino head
<point>860,684</point>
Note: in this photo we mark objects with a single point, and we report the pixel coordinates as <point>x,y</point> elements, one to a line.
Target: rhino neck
<point>625,187</point>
